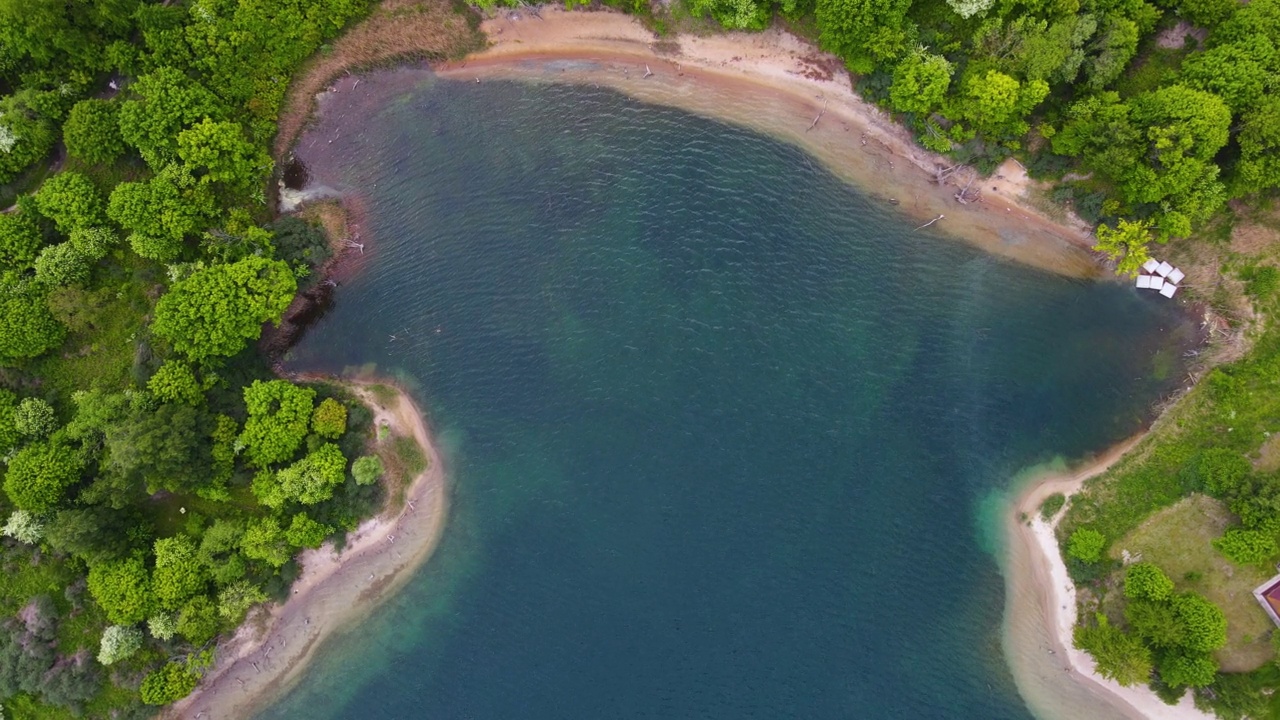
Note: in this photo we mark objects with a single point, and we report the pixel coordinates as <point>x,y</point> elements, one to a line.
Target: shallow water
<point>722,431</point>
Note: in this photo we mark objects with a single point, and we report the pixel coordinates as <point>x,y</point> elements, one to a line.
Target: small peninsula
<point>185,523</point>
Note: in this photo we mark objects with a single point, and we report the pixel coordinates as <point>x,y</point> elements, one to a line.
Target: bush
<point>1052,505</point>
<point>1119,656</point>
<point>23,527</point>
<point>1247,547</point>
<point>1144,581</point>
<point>163,626</point>
<point>1086,545</point>
<point>169,683</point>
<point>1222,471</point>
<point>175,381</point>
<point>1180,670</point>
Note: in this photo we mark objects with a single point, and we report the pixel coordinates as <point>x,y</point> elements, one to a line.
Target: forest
<point>159,479</point>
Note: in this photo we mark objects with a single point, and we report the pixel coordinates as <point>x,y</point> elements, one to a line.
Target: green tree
<point>1156,622</point>
<point>367,469</point>
<point>1259,166</point>
<point>160,212</point>
<point>9,435</point>
<point>997,105</point>
<point>313,479</point>
<point>734,14</point>
<point>1086,545</point>
<point>62,264</point>
<point>23,527</point>
<point>1205,624</point>
<point>1126,244</point>
<point>167,102</point>
<point>27,328</point>
<point>220,551</point>
<point>19,240</point>
<point>920,82</point>
<point>34,418</point>
<point>118,643</point>
<point>303,532</point>
<point>122,588</point>
<point>279,414</point>
<point>218,152</point>
<point>163,626</point>
<point>235,600</point>
<point>329,419</point>
<point>175,381</point>
<point>71,201</point>
<point>94,242</point>
<point>198,620</point>
<point>1178,670</point>
<point>179,574</point>
<point>865,32</point>
<point>1144,581</point>
<point>39,475</point>
<point>165,448</point>
<point>218,310</point>
<point>1118,655</point>
<point>264,540</point>
<point>1236,73</point>
<point>168,684</point>
<point>92,131</point>
<point>26,136</point>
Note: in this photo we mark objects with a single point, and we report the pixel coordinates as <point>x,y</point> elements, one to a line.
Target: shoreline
<point>782,86</point>
<point>270,650</point>
<point>1040,612</point>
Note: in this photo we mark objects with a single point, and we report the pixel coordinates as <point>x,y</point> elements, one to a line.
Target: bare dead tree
<point>814,124</point>
<point>930,222</point>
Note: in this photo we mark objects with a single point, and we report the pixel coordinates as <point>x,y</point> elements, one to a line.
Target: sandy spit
<point>267,656</point>
<point>1040,612</point>
<point>780,85</point>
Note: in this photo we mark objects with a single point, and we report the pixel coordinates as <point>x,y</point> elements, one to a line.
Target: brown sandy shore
<point>778,84</point>
<point>1040,612</point>
<point>267,656</point>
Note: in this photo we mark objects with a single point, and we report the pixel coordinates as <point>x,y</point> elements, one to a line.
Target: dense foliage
<point>135,279</point>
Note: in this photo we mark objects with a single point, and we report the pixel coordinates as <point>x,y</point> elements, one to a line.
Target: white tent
<point>1144,281</point>
<point>1176,276</point>
<point>1150,265</point>
<point>1168,290</point>
<point>1164,269</point>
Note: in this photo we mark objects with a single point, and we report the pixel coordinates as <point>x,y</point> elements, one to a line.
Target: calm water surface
<point>719,428</point>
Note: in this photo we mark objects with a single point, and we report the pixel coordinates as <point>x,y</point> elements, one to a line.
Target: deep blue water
<point>718,426</point>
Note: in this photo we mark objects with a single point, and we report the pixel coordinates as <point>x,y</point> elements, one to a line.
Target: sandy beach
<point>269,653</point>
<point>1040,612</point>
<point>779,85</point>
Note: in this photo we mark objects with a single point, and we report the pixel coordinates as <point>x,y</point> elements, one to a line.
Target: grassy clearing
<point>1178,540</point>
<point>396,30</point>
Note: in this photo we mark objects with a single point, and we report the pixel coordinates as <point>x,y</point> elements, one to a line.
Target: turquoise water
<point>720,429</point>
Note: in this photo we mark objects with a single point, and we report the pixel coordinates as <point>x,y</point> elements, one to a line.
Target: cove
<point>720,429</point>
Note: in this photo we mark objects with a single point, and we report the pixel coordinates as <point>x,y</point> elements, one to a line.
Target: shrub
<point>1052,505</point>
<point>1247,547</point>
<point>1222,471</point>
<point>1119,656</point>
<point>163,626</point>
<point>175,381</point>
<point>1180,670</point>
<point>1086,545</point>
<point>367,470</point>
<point>169,683</point>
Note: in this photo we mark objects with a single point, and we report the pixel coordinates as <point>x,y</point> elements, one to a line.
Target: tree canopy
<point>218,310</point>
